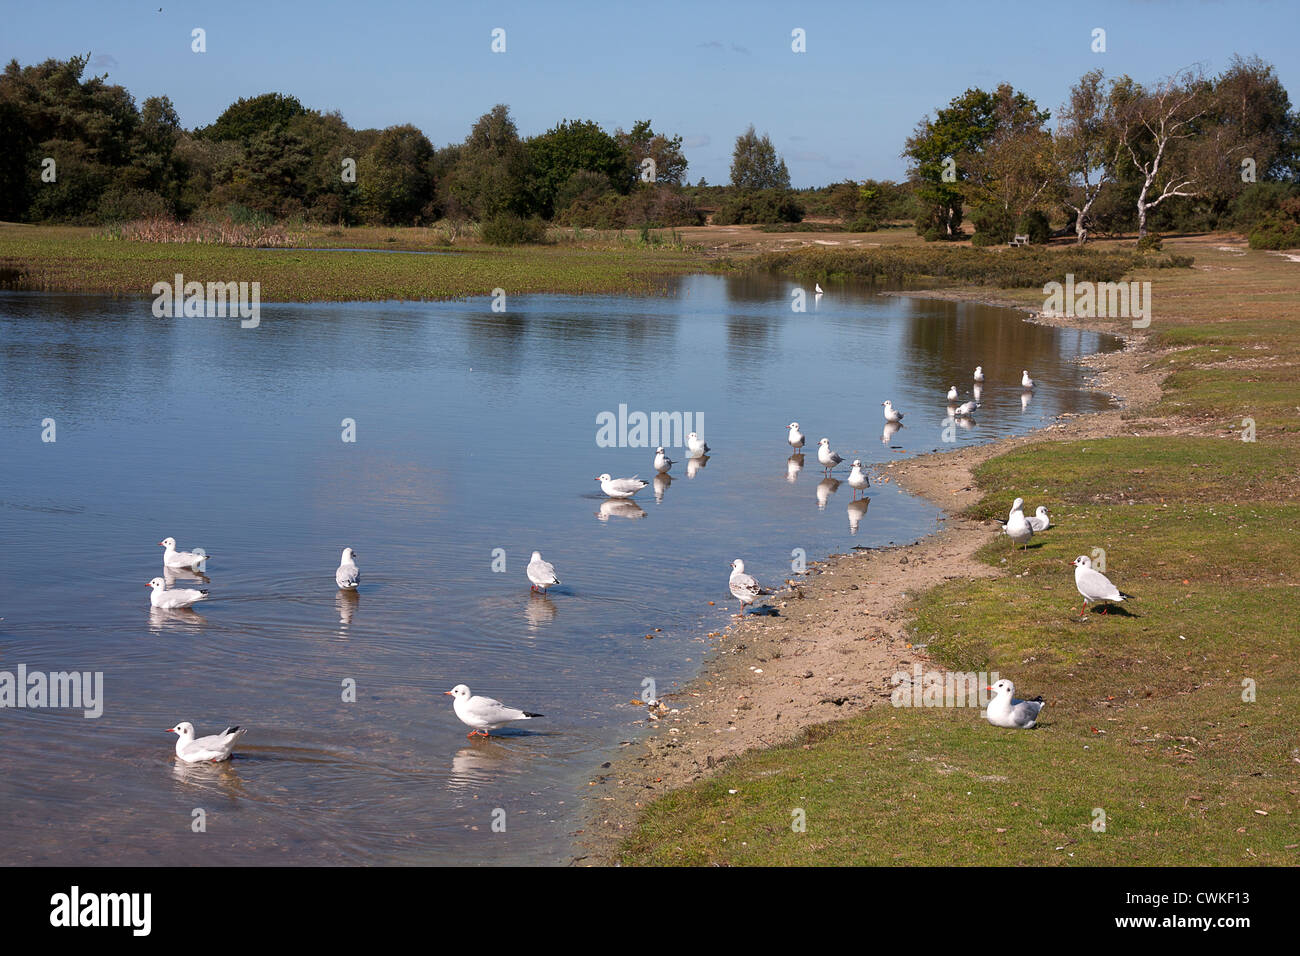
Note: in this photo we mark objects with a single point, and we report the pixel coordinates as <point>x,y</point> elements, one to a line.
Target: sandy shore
<point>840,631</point>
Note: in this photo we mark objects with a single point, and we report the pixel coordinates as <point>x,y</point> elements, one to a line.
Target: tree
<point>246,117</point>
<point>1086,148</point>
<point>755,164</point>
<point>572,147</point>
<point>490,174</point>
<point>393,177</point>
<point>644,143</point>
<point>959,129</point>
<point>1010,168</point>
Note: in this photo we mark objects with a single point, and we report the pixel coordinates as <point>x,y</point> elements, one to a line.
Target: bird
<point>1095,586</point>
<point>348,576</point>
<point>171,599</point>
<point>484,714</point>
<point>214,748</point>
<point>181,559</point>
<point>890,414</point>
<point>979,373</point>
<point>696,447</point>
<point>662,461</point>
<point>1005,710</point>
<point>1018,529</point>
<point>858,479</point>
<point>1017,505</point>
<point>965,409</point>
<point>795,438</point>
<point>1039,520</point>
<point>540,573</point>
<point>620,487</point>
<point>817,288</point>
<point>743,586</point>
<point>828,458</point>
<point>952,394</point>
<point>1025,380</point>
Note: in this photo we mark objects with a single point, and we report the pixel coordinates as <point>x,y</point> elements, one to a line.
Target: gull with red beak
<point>483,714</point>
<point>171,599</point>
<point>214,748</point>
<point>180,559</point>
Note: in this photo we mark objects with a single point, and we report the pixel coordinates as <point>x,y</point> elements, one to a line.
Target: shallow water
<point>475,431</point>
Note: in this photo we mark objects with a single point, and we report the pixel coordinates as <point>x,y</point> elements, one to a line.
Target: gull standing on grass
<point>1039,520</point>
<point>214,748</point>
<point>858,479</point>
<point>348,576</point>
<point>620,487</point>
<point>1006,710</point>
<point>795,438</point>
<point>891,414</point>
<point>180,559</point>
<point>174,598</point>
<point>1095,586</point>
<point>828,458</point>
<point>662,461</point>
<point>1018,529</point>
<point>541,573</point>
<point>743,586</point>
<point>483,714</point>
<point>696,447</point>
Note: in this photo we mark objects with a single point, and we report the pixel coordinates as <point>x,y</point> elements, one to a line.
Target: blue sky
<point>702,70</point>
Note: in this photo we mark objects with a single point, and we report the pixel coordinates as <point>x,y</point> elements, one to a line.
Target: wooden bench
<point>1019,241</point>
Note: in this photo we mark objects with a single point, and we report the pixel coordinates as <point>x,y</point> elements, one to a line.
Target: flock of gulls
<point>485,714</point>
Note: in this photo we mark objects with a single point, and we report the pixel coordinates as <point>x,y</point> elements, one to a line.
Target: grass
<point>1146,718</point>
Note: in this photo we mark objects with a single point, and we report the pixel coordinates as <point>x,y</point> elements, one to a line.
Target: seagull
<point>979,373</point>
<point>620,487</point>
<point>890,414</point>
<point>952,394</point>
<point>1025,380</point>
<point>1095,586</point>
<point>795,438</point>
<point>175,597</point>
<point>181,559</point>
<point>817,288</point>
<point>696,447</point>
<point>743,586</point>
<point>1039,520</point>
<point>828,458</point>
<point>858,479</point>
<point>662,461</point>
<point>348,576</point>
<point>1005,710</point>
<point>1017,505</point>
<point>484,714</point>
<point>541,573</point>
<point>214,748</point>
<point>965,409</point>
<point>1018,529</point>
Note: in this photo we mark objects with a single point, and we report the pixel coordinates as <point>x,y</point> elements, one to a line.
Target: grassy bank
<point>1146,719</point>
<point>85,260</point>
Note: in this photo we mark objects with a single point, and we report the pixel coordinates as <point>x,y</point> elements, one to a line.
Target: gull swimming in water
<point>858,479</point>
<point>662,461</point>
<point>795,437</point>
<point>828,458</point>
<point>965,409</point>
<point>540,573</point>
<point>180,559</point>
<point>214,748</point>
<point>1095,586</point>
<point>620,487</point>
<point>175,597</point>
<point>696,447</point>
<point>1039,520</point>
<point>483,714</point>
<point>1006,710</point>
<point>1025,380</point>
<point>891,415</point>
<point>743,586</point>
<point>348,576</point>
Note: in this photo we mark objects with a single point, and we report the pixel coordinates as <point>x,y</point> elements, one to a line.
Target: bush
<point>992,226</point>
<point>864,224</point>
<point>756,206</point>
<point>117,204</point>
<point>1149,243</point>
<point>507,229</point>
<point>1281,229</point>
<point>1034,224</point>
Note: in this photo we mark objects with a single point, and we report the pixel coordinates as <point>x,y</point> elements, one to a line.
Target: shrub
<point>864,224</point>
<point>117,204</point>
<point>1149,243</point>
<point>507,229</point>
<point>1034,224</point>
<point>756,206</point>
<point>1280,229</point>
<point>992,226</point>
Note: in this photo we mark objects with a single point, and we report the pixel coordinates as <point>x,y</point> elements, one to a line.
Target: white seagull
<point>180,559</point>
<point>696,447</point>
<point>858,479</point>
<point>171,599</point>
<point>828,458</point>
<point>952,394</point>
<point>620,487</point>
<point>1025,380</point>
<point>1018,529</point>
<point>979,373</point>
<point>348,576</point>
<point>1094,586</point>
<point>795,438</point>
<point>214,748</point>
<point>890,414</point>
<point>662,461</point>
<point>1017,505</point>
<point>965,409</point>
<point>817,288</point>
<point>1005,710</point>
<point>484,714</point>
<point>1039,520</point>
<point>541,573</point>
<point>743,586</point>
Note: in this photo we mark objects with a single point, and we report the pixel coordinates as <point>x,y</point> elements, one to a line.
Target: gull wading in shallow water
<point>483,714</point>
<point>795,437</point>
<point>213,748</point>
<point>891,414</point>
<point>1025,380</point>
<point>1005,710</point>
<point>979,373</point>
<point>180,559</point>
<point>965,409</point>
<point>348,575</point>
<point>1095,586</point>
<point>696,447</point>
<point>858,479</point>
<point>620,487</point>
<point>743,587</point>
<point>175,597</point>
<point>662,461</point>
<point>541,573</point>
<point>952,394</point>
<point>828,458</point>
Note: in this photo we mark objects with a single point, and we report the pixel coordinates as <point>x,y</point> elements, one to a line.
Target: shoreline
<point>841,630</point>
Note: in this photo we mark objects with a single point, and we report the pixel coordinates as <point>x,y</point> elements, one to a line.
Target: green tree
<point>246,117</point>
<point>572,147</point>
<point>755,164</point>
<point>394,178</point>
<point>490,175</point>
<point>934,148</point>
<point>644,143</point>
